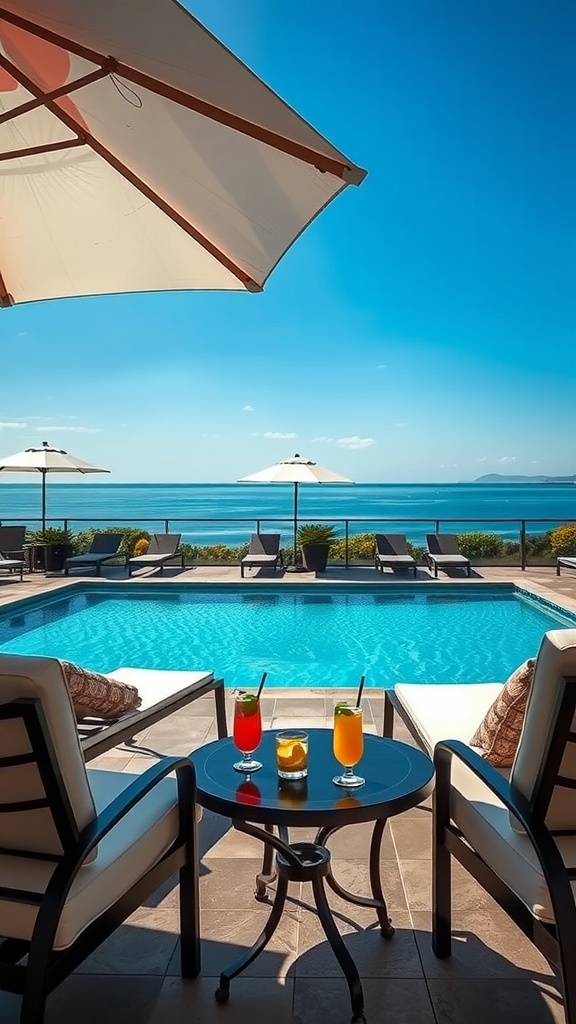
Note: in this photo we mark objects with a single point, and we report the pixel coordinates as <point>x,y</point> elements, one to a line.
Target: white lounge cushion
<point>449,559</point>
<point>567,560</point>
<point>124,855</point>
<point>155,685</point>
<point>448,710</point>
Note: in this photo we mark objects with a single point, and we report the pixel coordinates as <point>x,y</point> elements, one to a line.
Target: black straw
<point>262,681</point>
<point>360,688</point>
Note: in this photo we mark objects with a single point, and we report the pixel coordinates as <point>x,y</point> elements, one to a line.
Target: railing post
<point>437,530</point>
<point>166,526</point>
<point>523,544</point>
<point>346,527</point>
<point>257,526</point>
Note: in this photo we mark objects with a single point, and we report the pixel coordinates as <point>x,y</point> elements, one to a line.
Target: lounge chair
<point>104,547</point>
<point>392,552</point>
<point>264,550</point>
<point>163,548</point>
<point>12,542</point>
<point>566,562</point>
<point>81,849</point>
<point>513,829</point>
<point>11,565</point>
<point>444,553</point>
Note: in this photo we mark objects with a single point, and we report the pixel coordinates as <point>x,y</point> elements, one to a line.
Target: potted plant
<point>57,545</point>
<point>315,540</point>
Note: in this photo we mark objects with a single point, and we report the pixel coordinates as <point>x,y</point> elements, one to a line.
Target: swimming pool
<point>302,635</point>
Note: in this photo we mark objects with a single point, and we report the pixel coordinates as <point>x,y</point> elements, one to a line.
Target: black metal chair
<point>516,835</point>
<point>80,850</point>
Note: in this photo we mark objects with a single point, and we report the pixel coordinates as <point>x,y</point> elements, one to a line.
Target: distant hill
<point>498,478</point>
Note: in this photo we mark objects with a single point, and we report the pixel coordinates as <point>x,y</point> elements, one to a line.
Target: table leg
<point>267,874</point>
<point>341,953</point>
<point>377,901</point>
<point>222,993</point>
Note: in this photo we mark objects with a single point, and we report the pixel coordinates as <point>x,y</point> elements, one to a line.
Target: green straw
<point>360,688</point>
<point>260,688</point>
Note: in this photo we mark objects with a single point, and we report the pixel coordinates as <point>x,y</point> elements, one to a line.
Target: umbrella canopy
<point>139,154</point>
<point>295,471</point>
<point>46,460</point>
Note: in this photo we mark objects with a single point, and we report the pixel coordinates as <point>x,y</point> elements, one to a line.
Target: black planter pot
<point>55,555</point>
<point>315,557</point>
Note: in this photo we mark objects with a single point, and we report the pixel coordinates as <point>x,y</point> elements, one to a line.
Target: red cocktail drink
<point>247,730</point>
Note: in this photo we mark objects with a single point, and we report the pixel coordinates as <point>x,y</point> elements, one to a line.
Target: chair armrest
<point>70,864</point>
<point>556,874</point>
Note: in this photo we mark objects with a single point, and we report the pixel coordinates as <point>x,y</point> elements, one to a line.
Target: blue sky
<point>422,329</point>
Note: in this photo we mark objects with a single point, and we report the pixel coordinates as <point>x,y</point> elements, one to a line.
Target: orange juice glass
<point>348,743</point>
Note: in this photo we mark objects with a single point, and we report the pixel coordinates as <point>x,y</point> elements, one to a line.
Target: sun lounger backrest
<point>34,830</point>
<point>391,544</point>
<point>264,544</point>
<point>443,544</point>
<point>106,543</point>
<point>12,538</point>
<point>164,543</point>
<point>544,769</point>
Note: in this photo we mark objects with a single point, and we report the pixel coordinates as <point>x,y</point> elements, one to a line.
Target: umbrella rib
<point>347,172</point>
<point>88,139</point>
<point>39,101</point>
<point>6,299</point>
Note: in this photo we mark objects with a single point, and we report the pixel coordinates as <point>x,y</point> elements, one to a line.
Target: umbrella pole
<point>294,567</point>
<point>295,521</point>
<point>43,472</point>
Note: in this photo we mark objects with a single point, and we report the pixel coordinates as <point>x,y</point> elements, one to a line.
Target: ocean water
<point>227,513</point>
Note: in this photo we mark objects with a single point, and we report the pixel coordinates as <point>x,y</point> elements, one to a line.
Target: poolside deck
<point>494,974</point>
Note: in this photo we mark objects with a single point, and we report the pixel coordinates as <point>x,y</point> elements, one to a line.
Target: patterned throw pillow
<point>498,734</point>
<point>96,696</point>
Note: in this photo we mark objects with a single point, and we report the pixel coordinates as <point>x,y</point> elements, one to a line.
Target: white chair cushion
<point>450,711</point>
<point>124,855</point>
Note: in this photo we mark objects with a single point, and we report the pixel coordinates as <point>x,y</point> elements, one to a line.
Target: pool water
<point>314,637</point>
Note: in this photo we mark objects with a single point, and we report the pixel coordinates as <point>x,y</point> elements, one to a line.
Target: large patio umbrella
<point>295,471</point>
<point>139,154</point>
<point>46,460</point>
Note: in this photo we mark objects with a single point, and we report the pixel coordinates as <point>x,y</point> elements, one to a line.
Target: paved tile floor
<point>494,975</point>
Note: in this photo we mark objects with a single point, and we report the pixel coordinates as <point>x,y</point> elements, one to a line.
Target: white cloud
<point>506,460</point>
<point>247,408</point>
<point>483,459</point>
<point>69,430</point>
<point>13,426</point>
<point>356,442</point>
<point>381,366</point>
<point>22,334</point>
<point>534,462</point>
<point>319,440</point>
<point>399,425</point>
<point>275,435</point>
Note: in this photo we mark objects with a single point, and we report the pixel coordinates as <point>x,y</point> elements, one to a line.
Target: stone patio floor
<point>494,975</point>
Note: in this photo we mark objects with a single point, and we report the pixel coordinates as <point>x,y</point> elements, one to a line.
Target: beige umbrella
<point>139,154</point>
<point>46,460</point>
<point>295,471</point>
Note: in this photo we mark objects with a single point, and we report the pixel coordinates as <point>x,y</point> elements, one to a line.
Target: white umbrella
<point>295,471</point>
<point>46,460</point>
<point>139,154</point>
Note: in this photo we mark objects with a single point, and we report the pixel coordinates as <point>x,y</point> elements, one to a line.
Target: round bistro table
<point>397,776</point>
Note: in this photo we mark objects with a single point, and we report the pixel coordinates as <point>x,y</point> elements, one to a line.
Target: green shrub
<point>563,540</point>
<point>51,535</point>
<point>481,545</point>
